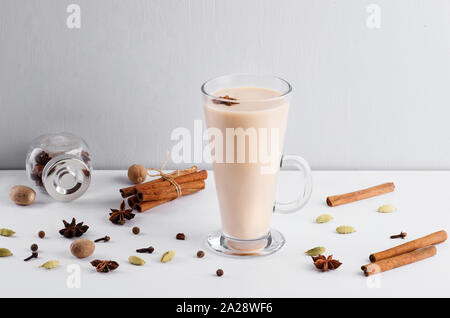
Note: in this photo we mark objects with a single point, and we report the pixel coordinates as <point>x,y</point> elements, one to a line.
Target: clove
<point>106,239</point>
<point>402,235</point>
<point>33,255</point>
<point>149,249</point>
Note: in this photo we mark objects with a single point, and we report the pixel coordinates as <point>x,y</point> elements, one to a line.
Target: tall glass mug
<point>246,117</point>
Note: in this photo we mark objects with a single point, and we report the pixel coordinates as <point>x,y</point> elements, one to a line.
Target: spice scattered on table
<point>431,239</point>
<point>4,252</point>
<point>82,248</point>
<point>325,263</point>
<point>136,260</point>
<point>200,254</point>
<point>340,199</point>
<point>324,218</point>
<point>402,235</point>
<point>136,230</point>
<point>137,173</point>
<point>167,256</point>
<point>219,272</point>
<point>180,236</point>
<point>73,229</point>
<point>387,208</point>
<point>7,232</point>
<point>50,264</point>
<point>105,239</point>
<point>41,234</point>
<point>316,251</point>
<point>104,266</point>
<point>399,260</point>
<point>119,216</point>
<point>34,247</point>
<point>149,250</point>
<point>345,229</point>
<point>35,254</point>
<point>22,195</point>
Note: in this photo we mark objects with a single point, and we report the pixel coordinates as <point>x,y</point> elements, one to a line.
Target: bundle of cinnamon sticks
<point>145,196</point>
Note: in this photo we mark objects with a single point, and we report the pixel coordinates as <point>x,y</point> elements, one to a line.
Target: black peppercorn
<point>181,236</point>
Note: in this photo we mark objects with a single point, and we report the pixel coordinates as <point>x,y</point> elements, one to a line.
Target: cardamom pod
<point>323,218</point>
<point>50,264</point>
<point>6,232</point>
<point>345,229</point>
<point>136,260</point>
<point>167,256</point>
<point>387,208</point>
<point>319,250</point>
<point>5,252</point>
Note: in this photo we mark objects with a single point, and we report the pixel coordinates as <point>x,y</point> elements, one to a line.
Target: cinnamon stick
<point>399,260</point>
<point>129,191</point>
<point>126,192</point>
<point>168,195</point>
<point>340,199</point>
<point>132,201</point>
<point>144,206</point>
<point>431,239</point>
<point>169,192</point>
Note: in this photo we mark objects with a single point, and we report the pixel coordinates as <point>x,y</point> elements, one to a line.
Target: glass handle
<point>298,163</point>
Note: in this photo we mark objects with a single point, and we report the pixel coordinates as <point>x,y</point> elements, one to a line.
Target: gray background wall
<point>364,98</point>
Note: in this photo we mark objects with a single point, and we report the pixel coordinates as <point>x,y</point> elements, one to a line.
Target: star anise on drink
<point>325,263</point>
<point>218,101</point>
<point>104,266</point>
<point>73,229</point>
<point>119,216</point>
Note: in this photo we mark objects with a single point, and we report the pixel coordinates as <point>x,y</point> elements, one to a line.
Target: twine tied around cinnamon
<point>165,176</point>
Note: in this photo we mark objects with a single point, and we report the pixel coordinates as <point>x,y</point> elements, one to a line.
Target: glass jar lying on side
<point>60,165</point>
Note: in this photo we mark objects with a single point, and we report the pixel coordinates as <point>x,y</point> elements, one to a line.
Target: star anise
<point>73,229</point>
<point>41,159</point>
<point>326,263</point>
<point>104,266</point>
<point>218,101</point>
<point>119,216</point>
<point>85,156</point>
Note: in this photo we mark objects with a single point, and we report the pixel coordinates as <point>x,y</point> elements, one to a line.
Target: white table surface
<point>422,200</point>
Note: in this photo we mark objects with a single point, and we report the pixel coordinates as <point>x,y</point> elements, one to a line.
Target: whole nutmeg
<point>137,173</point>
<point>22,195</point>
<point>82,248</point>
